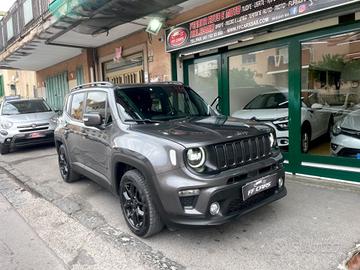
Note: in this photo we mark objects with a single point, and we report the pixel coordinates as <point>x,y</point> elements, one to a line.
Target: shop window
<point>10,29</point>
<point>330,118</point>
<point>204,78</point>
<point>28,11</point>
<point>249,58</point>
<point>260,91</point>
<point>77,106</point>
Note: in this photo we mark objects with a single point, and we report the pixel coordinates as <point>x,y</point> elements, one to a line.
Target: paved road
<point>314,227</point>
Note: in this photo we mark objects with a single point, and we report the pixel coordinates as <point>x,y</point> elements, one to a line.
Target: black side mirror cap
<point>92,119</point>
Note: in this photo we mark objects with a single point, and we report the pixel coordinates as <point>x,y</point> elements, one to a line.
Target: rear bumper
<point>22,140</point>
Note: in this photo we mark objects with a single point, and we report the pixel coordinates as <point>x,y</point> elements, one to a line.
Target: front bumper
<point>225,188</point>
<point>344,145</point>
<point>24,139</point>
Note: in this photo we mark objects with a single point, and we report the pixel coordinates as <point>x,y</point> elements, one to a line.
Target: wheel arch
<point>122,162</point>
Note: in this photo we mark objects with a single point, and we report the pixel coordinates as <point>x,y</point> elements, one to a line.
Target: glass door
<point>259,88</point>
<point>330,94</point>
<point>204,76</point>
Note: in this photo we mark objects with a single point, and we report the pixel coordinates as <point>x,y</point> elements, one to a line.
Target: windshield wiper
<point>146,121</point>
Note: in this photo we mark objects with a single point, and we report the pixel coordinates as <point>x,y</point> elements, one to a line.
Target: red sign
<point>177,37</point>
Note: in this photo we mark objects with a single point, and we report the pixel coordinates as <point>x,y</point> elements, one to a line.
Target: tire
<point>138,206</point>
<point>66,171</point>
<point>305,140</point>
<point>4,149</point>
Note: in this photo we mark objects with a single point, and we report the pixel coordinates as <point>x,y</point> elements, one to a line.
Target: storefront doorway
<point>307,87</point>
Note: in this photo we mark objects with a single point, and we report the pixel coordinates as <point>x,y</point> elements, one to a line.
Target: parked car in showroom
<point>345,137</point>
<point>272,108</point>
<point>170,158</point>
<point>25,122</point>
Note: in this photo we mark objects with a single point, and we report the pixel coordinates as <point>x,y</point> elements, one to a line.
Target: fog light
<point>3,132</point>
<point>214,208</point>
<point>280,182</point>
<point>189,192</point>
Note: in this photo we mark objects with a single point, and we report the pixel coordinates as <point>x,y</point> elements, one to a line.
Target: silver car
<point>345,137</point>
<point>25,122</point>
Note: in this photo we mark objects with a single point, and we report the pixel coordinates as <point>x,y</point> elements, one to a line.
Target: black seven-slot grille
<point>236,153</point>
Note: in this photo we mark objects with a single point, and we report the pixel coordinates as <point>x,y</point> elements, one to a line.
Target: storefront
<point>292,64</point>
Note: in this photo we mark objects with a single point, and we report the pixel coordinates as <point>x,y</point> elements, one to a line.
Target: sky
<point>6,4</point>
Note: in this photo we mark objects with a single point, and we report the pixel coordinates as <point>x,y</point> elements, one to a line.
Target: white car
<point>272,108</point>
<point>345,136</point>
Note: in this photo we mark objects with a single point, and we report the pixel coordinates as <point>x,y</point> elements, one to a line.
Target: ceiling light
<point>154,26</point>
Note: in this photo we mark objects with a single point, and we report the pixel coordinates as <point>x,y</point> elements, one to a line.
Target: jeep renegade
<point>169,156</point>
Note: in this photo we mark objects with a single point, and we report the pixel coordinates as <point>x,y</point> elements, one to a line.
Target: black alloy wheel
<point>66,171</point>
<point>137,204</point>
<point>134,207</point>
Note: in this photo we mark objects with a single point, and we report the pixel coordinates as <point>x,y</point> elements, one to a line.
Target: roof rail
<point>8,98</point>
<point>93,84</point>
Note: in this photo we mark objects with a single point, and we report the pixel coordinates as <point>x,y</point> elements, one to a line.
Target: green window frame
<point>298,162</point>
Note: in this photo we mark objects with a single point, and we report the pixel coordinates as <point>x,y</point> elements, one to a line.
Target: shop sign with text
<point>241,18</point>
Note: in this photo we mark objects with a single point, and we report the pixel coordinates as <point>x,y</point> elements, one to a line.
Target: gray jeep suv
<point>169,156</point>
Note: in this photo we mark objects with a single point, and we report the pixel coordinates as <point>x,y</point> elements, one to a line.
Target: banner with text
<point>241,18</point>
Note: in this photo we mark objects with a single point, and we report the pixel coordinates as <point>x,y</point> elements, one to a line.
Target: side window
<point>77,106</point>
<point>96,102</point>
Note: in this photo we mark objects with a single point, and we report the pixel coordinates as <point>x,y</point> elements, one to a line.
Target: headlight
<point>6,124</point>
<point>195,157</point>
<point>282,123</point>
<point>273,142</point>
<point>336,129</point>
<point>54,119</point>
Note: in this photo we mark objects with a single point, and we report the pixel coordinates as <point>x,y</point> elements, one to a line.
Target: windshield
<point>269,101</point>
<point>25,107</point>
<point>160,102</point>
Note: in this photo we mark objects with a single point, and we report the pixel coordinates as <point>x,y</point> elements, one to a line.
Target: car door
<point>97,148</point>
<point>73,127</point>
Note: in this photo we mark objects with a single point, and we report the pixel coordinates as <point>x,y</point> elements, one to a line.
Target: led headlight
<point>336,129</point>
<point>6,124</point>
<point>195,157</point>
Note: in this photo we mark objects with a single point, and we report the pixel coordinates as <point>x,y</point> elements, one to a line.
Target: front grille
<point>238,204</point>
<point>349,152</point>
<point>33,127</point>
<point>241,152</point>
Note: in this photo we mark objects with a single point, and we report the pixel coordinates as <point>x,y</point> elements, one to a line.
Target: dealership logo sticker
<point>178,37</point>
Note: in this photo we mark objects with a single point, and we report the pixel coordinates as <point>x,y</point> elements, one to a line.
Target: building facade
<point>291,64</point>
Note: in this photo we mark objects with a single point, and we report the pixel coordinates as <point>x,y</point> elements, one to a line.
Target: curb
<point>93,221</point>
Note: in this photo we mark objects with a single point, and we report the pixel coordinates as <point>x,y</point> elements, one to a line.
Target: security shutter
<point>56,89</point>
<point>1,86</point>
<point>80,75</point>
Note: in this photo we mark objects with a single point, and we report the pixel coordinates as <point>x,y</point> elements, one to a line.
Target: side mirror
<point>317,106</point>
<point>92,119</point>
<point>217,102</point>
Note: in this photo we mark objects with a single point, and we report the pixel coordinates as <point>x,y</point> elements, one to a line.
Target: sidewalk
<point>20,247</point>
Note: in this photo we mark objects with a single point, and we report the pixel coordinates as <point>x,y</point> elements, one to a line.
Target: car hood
<point>30,117</point>
<point>262,114</point>
<point>352,121</point>
<point>203,131</point>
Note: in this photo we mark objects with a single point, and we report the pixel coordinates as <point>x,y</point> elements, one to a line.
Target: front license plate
<point>259,185</point>
<point>36,135</point>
